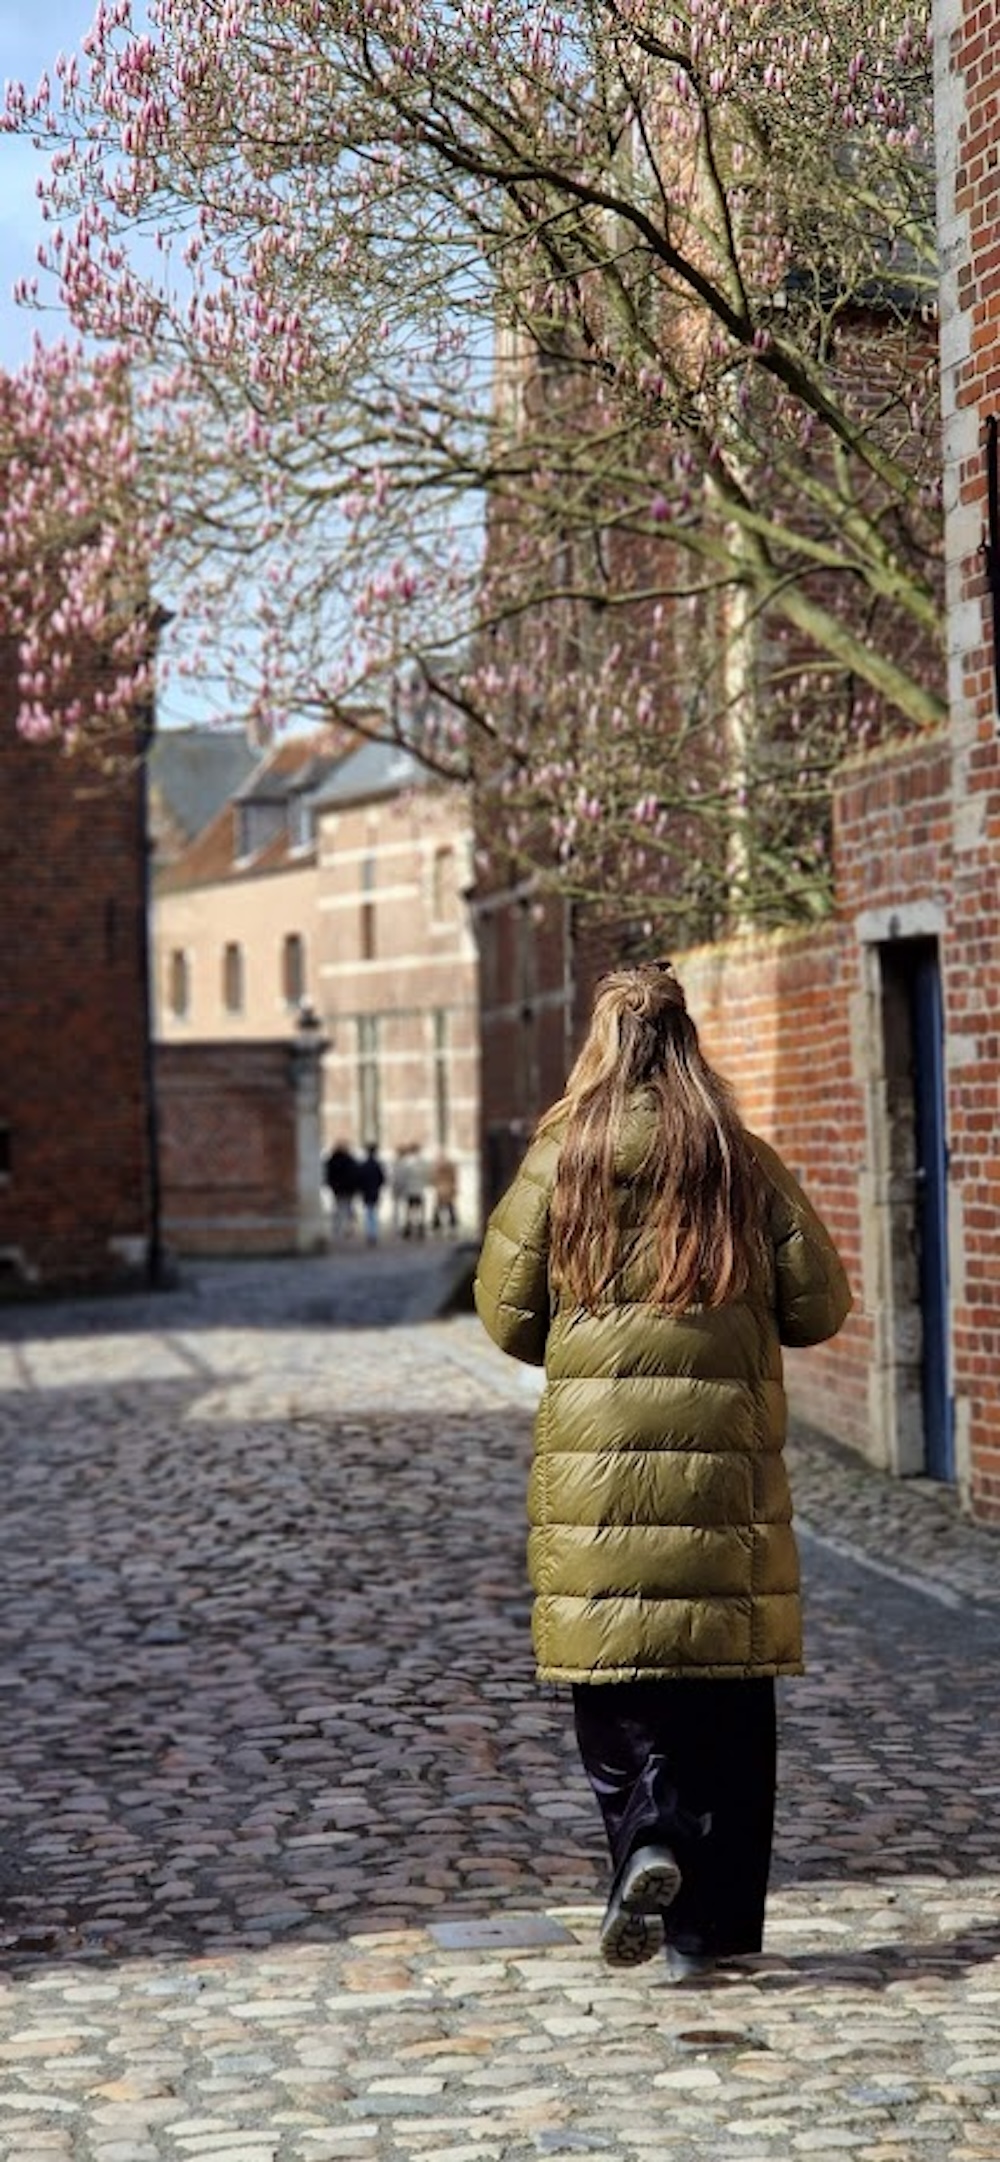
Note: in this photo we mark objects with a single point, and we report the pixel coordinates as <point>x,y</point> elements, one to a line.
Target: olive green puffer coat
<point>661,1540</point>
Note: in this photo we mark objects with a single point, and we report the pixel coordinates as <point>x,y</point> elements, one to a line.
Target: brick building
<point>236,921</point>
<point>398,974</point>
<point>868,1048</point>
<point>77,1191</point>
<point>335,876</point>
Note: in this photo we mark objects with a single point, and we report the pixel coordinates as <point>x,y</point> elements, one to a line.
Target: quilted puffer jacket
<point>661,1540</point>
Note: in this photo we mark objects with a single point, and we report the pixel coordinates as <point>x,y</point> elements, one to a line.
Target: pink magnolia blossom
<point>482,342</point>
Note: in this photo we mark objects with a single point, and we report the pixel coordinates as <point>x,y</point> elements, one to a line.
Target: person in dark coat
<point>654,1256</point>
<point>371,1179</point>
<point>340,1170</point>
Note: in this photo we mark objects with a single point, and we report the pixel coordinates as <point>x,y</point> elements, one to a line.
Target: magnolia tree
<point>74,561</point>
<point>566,368</point>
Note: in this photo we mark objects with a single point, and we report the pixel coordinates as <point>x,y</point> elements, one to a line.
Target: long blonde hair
<point>705,1220</point>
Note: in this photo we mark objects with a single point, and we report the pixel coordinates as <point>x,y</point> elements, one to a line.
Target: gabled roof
<point>294,767</point>
<point>208,858</point>
<point>192,773</point>
<point>379,767</point>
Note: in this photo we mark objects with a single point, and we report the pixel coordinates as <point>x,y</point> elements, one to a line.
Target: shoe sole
<point>634,1934</point>
<point>651,1887</point>
<point>630,1940</point>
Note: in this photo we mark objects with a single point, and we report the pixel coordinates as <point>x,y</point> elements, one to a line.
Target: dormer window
<point>301,822</point>
<point>257,824</point>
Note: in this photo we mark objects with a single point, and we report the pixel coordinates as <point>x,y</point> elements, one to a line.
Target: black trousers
<point>689,1765</point>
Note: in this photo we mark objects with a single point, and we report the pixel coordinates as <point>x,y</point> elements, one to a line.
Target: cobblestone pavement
<point>298,1864</point>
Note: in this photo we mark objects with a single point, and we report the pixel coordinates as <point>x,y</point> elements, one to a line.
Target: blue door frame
<point>927,1020</point>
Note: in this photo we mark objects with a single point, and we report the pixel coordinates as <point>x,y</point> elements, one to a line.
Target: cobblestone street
<point>298,1864</point>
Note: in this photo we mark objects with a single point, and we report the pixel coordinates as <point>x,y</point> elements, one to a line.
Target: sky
<point>32,32</point>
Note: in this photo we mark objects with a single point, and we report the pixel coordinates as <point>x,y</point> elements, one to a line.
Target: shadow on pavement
<point>881,1966</point>
<point>351,1286</point>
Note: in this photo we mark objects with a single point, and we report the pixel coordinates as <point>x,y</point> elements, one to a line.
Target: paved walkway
<point>297,1860</point>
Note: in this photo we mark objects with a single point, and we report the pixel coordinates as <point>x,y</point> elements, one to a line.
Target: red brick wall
<point>893,828</point>
<point>525,1032</point>
<point>785,1017</point>
<point>228,1154</point>
<point>969,218</point>
<point>776,1016</point>
<point>773,1016</point>
<point>74,1209</point>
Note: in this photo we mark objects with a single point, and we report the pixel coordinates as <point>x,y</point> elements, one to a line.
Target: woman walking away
<point>653,1255</point>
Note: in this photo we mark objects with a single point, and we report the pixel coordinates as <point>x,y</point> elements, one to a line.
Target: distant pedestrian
<point>397,1188</point>
<point>371,1179</point>
<point>415,1177</point>
<point>653,1255</point>
<point>444,1186</point>
<point>340,1170</point>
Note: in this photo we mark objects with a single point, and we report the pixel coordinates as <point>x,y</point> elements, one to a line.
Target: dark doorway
<point>912,1018</point>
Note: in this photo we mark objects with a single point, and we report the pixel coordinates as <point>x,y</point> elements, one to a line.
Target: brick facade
<point>230,904</point>
<point>774,1016</point>
<point>239,1127</point>
<point>814,1031</point>
<point>811,1026</point>
<point>397,979</point>
<point>968,117</point>
<point>75,1195</point>
<point>369,889</point>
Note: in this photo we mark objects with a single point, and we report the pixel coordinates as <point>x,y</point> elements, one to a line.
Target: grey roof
<point>379,767</point>
<point>194,771</point>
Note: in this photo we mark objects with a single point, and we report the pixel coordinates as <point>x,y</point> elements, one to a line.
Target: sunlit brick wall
<point>968,118</point>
